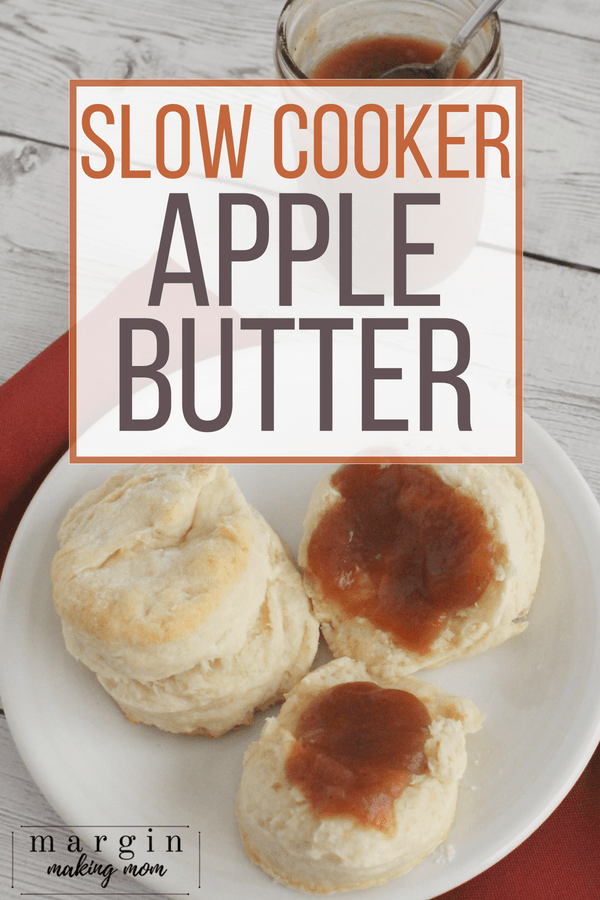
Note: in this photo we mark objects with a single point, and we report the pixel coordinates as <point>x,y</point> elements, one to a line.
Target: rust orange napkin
<point>560,861</point>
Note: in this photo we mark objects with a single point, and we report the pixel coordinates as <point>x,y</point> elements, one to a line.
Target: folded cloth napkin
<point>34,412</point>
<point>560,861</point>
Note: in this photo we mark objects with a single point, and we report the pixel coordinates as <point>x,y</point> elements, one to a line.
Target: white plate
<point>539,691</point>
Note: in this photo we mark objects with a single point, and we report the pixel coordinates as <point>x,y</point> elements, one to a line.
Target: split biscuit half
<point>306,850</point>
<point>511,524</point>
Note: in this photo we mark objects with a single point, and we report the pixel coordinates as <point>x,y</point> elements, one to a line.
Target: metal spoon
<point>445,65</point>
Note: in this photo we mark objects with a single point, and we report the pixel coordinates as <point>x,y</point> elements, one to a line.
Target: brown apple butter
<point>402,549</point>
<point>357,747</point>
<point>371,57</point>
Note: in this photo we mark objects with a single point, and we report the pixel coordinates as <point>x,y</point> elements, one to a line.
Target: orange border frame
<point>517,84</point>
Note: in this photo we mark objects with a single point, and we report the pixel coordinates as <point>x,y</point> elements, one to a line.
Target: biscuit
<point>181,598</point>
<point>284,835</point>
<point>509,509</point>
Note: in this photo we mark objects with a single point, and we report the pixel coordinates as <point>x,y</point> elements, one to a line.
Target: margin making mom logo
<point>83,861</point>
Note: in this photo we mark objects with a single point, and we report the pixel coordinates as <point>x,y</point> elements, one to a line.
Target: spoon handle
<point>471,26</point>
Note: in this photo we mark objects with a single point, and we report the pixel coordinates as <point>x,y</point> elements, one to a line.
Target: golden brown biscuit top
<point>150,555</point>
